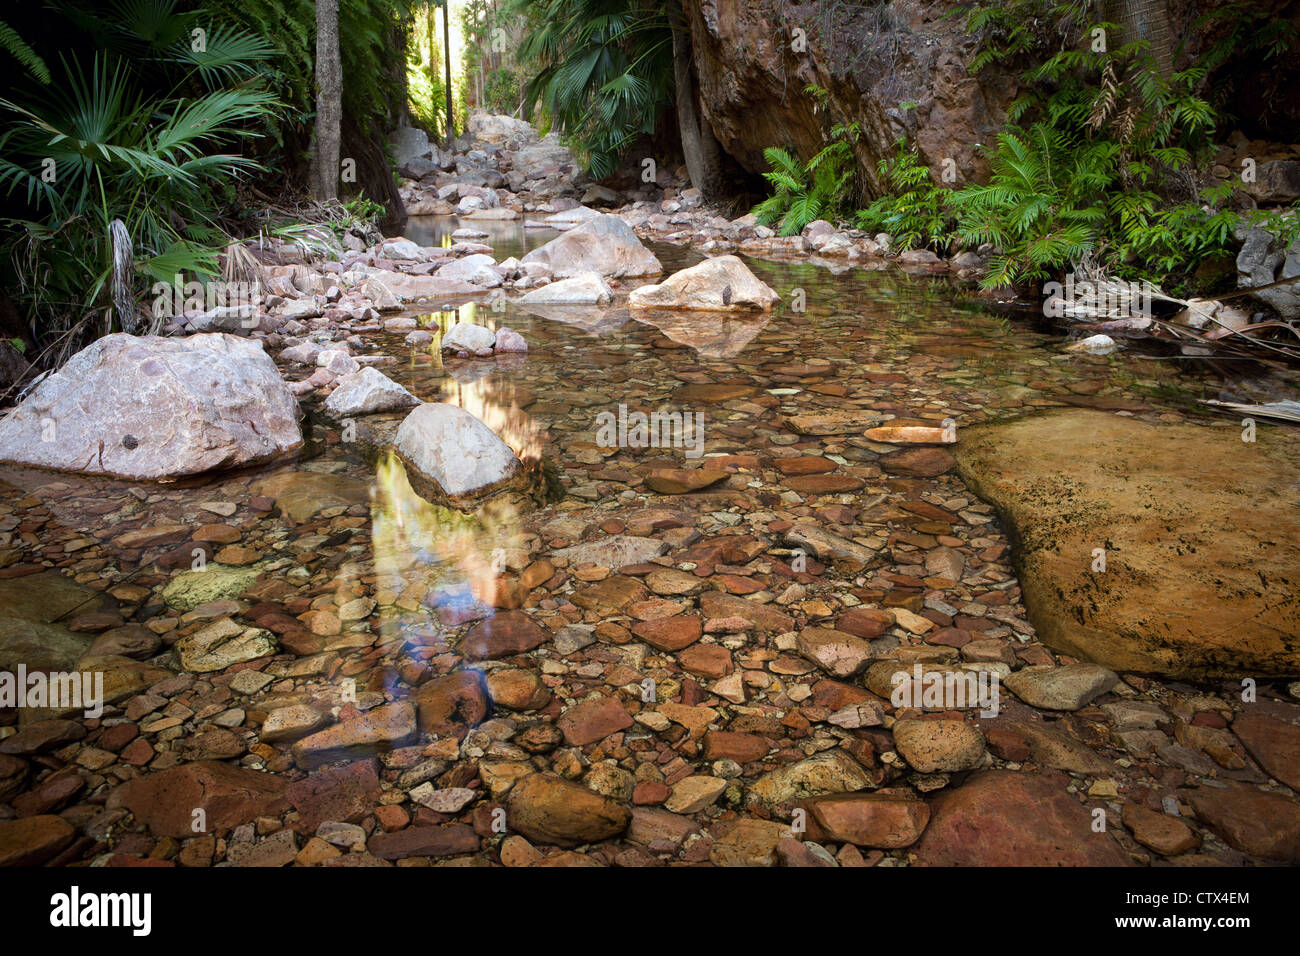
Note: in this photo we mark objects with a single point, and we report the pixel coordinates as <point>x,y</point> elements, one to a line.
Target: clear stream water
<point>918,348</point>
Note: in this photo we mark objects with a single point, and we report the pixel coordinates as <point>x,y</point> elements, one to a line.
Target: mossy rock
<point>216,582</point>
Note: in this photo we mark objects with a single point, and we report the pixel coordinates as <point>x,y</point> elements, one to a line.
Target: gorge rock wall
<point>900,67</point>
<point>874,62</point>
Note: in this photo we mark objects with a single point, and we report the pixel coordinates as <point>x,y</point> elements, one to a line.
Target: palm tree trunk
<point>446,59</point>
<point>699,145</point>
<point>1146,20</point>
<point>329,101</point>
<point>431,66</point>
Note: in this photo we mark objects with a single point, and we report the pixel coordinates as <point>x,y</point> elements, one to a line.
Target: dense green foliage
<point>1105,159</point>
<point>1104,169</point>
<point>913,212</point>
<point>140,133</point>
<point>602,72</point>
<point>804,192</point>
<point>822,188</point>
<point>127,150</point>
<point>488,61</point>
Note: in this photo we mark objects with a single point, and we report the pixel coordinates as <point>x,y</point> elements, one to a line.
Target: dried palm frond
<point>123,264</point>
<point>241,265</point>
<point>1287,411</point>
<point>1103,107</point>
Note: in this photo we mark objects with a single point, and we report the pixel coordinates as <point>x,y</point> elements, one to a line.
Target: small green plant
<point>802,193</point>
<point>914,211</point>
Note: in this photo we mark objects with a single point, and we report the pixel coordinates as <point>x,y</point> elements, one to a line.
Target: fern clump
<point>914,212</point>
<point>803,193</point>
<point>1100,160</point>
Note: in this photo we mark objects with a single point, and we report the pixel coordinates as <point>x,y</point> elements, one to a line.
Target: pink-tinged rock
<point>1006,818</point>
<point>593,720</point>
<point>229,796</point>
<point>153,407</point>
<point>660,830</point>
<point>837,653</point>
<point>762,616</point>
<point>508,340</point>
<point>791,852</point>
<point>911,435</point>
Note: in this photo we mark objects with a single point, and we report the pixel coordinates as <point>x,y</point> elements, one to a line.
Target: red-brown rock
<point>670,633</point>
<point>344,794</point>
<point>505,634</point>
<point>742,748</point>
<point>711,661</point>
<point>452,704</point>
<point>33,840</point>
<point>1005,818</point>
<point>919,462</point>
<point>593,720</point>
<point>424,841</point>
<point>867,819</point>
<point>1274,743</point>
<point>229,796</point>
<point>1253,821</point>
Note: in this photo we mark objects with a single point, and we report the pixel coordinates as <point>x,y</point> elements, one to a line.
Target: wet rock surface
<point>1196,531</point>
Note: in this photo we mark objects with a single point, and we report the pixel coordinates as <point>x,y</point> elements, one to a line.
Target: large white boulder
<point>604,244</point>
<point>498,129</point>
<point>450,454</point>
<point>586,288</point>
<point>150,407</point>
<point>367,391</point>
<point>404,288</point>
<point>721,284</point>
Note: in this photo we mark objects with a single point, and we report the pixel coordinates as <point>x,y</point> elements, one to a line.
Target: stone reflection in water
<point>594,320</point>
<point>713,335</point>
<point>437,567</point>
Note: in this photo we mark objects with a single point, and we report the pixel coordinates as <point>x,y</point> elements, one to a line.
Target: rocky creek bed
<point>669,659</point>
